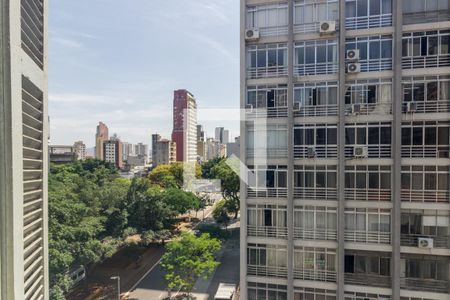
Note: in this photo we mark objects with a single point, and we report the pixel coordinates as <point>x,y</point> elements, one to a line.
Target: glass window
<point>362,8</point>
<point>375,7</point>
<point>350,9</point>
<point>443,135</point>
<point>373,136</point>
<point>331,136</point>
<point>374,49</point>
<point>430,136</point>
<point>417,136</point>
<point>385,181</point>
<point>386,6</point>
<point>310,55</point>
<point>386,49</point>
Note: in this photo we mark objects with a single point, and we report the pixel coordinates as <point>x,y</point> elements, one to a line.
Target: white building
<point>23,145</point>
<point>80,150</point>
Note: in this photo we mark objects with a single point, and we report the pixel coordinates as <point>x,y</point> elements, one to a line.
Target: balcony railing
<point>329,151</point>
<point>441,106</point>
<point>420,62</point>
<point>267,193</point>
<point>310,27</point>
<point>426,17</point>
<point>315,275</point>
<point>268,153</point>
<point>373,151</point>
<point>267,72</point>
<point>375,237</point>
<point>441,196</point>
<point>269,112</point>
<point>367,279</point>
<point>315,193</point>
<point>364,194</point>
<point>366,109</point>
<point>267,271</point>
<point>317,111</point>
<point>315,234</point>
<point>412,240</point>
<point>315,69</point>
<point>273,30</point>
<point>267,231</point>
<point>423,151</point>
<point>430,285</point>
<point>368,22</point>
<point>374,65</point>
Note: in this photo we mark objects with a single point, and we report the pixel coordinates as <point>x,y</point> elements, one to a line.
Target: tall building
<point>80,150</point>
<point>128,150</point>
<point>24,153</point>
<point>62,154</point>
<point>348,101</point>
<point>141,150</point>
<point>200,133</point>
<point>113,151</point>
<point>101,137</point>
<point>163,151</point>
<point>218,134</point>
<point>184,132</point>
<point>226,136</point>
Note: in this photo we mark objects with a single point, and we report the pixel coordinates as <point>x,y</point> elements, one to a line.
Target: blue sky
<point>120,63</point>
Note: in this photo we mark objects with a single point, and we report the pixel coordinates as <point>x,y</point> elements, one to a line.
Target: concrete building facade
<point>163,151</point>
<point>113,152</point>
<point>101,136</point>
<point>348,181</point>
<point>24,136</point>
<point>62,154</point>
<point>80,150</point>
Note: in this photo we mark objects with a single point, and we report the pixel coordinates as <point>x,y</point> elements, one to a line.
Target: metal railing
<point>268,153</point>
<point>441,196</point>
<point>315,193</point>
<point>267,72</point>
<point>311,27</point>
<point>367,279</point>
<point>328,151</point>
<point>368,22</point>
<point>429,61</point>
<point>273,31</point>
<point>366,194</point>
<point>375,65</point>
<point>376,237</point>
<point>315,69</point>
<point>267,231</point>
<point>267,192</point>
<point>426,17</point>
<point>423,151</point>
<point>317,111</point>
<point>431,285</point>
<point>429,106</point>
<point>373,151</point>
<point>316,275</point>
<point>412,240</point>
<point>315,234</point>
<point>266,112</point>
<point>366,109</point>
<point>267,271</point>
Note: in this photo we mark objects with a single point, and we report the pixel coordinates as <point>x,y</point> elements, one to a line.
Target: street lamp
<point>118,285</point>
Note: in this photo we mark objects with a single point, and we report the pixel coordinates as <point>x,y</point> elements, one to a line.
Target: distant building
<point>128,150</point>
<point>112,152</point>
<point>234,148</point>
<point>218,134</point>
<point>136,161</point>
<point>101,136</point>
<point>163,151</point>
<point>213,149</point>
<point>225,136</point>
<point>200,133</point>
<point>62,154</point>
<point>184,132</point>
<point>141,149</point>
<point>201,151</point>
<point>80,150</point>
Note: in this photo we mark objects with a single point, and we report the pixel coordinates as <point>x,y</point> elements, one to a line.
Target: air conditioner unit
<point>251,34</point>
<point>426,243</point>
<point>353,55</point>
<point>411,107</point>
<point>297,106</point>
<point>356,108</point>
<point>354,68</point>
<point>311,152</point>
<point>327,27</point>
<point>360,152</point>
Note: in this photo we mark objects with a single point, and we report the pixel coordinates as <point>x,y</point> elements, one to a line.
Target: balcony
<point>315,193</point>
<point>375,237</point>
<point>267,153</point>
<point>315,234</point>
<point>315,69</point>
<point>422,151</point>
<point>375,65</point>
<point>411,240</point>
<point>315,275</point>
<point>270,112</point>
<point>273,31</point>
<point>311,27</point>
<point>425,285</point>
<point>373,151</point>
<point>426,17</point>
<point>436,196</point>
<point>368,22</point>
<point>267,72</point>
<point>366,109</point>
<point>328,151</point>
<point>420,62</point>
<point>365,194</point>
<point>421,107</point>
<point>267,271</point>
<point>267,193</point>
<point>316,111</point>
<point>267,231</point>
<point>367,279</point>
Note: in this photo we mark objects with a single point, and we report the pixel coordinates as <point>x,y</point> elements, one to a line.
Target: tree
<point>208,165</point>
<point>220,213</point>
<point>189,258</point>
<point>230,186</point>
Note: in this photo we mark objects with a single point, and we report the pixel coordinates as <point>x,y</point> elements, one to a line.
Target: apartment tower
<point>23,147</point>
<point>113,151</point>
<point>184,132</point>
<point>163,151</point>
<point>346,139</point>
<point>101,136</point>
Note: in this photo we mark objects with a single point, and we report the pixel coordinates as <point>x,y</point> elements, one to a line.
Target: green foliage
<point>189,258</point>
<point>220,213</point>
<point>170,176</point>
<point>208,165</point>
<point>213,230</point>
<point>230,185</point>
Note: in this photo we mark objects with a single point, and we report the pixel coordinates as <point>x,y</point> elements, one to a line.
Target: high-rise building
<point>80,150</point>
<point>113,151</point>
<point>24,135</point>
<point>200,133</point>
<point>347,142</point>
<point>101,136</point>
<point>128,150</point>
<point>163,151</point>
<point>184,132</point>
<point>218,134</point>
<point>226,136</point>
<point>141,149</point>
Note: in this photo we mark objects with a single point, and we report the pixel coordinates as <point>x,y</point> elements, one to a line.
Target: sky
<point>120,64</point>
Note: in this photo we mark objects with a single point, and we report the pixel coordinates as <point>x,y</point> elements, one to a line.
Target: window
<point>311,222</point>
<point>316,57</point>
<point>311,179</point>
<point>424,11</point>
<point>268,177</point>
<point>360,177</point>
<point>308,14</point>
<point>267,96</point>
<point>272,140</point>
<point>375,52</point>
<point>369,264</point>
<point>425,139</point>
<point>269,60</point>
<point>427,91</point>
<point>319,259</point>
<point>425,267</point>
<point>430,178</point>
<point>368,13</point>
<point>270,20</point>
